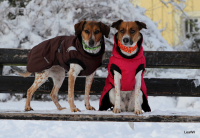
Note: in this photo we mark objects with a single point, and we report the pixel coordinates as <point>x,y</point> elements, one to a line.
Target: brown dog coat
<point>45,55</point>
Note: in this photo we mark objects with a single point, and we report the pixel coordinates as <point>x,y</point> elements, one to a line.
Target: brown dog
<point>81,60</point>
<point>125,89</point>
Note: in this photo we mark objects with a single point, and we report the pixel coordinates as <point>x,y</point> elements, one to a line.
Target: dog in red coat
<point>125,89</point>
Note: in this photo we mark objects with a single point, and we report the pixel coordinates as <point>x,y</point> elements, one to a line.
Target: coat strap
<point>60,47</point>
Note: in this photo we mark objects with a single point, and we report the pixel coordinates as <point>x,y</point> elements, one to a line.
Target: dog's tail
<point>20,71</point>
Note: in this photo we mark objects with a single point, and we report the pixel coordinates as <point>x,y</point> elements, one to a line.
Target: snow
<point>46,19</point>
<point>72,129</point>
<point>4,96</point>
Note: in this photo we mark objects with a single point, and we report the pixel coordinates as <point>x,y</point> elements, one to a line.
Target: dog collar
<point>125,48</point>
<point>90,48</point>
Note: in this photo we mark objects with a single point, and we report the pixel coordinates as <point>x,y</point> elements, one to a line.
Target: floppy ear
<point>117,24</point>
<point>141,25</point>
<point>79,27</point>
<point>104,29</point>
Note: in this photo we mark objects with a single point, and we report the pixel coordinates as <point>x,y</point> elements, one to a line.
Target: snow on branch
<point>178,6</point>
<point>44,19</point>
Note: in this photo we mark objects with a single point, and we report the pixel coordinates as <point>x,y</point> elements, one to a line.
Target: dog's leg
<point>58,75</point>
<point>88,84</point>
<point>136,95</point>
<point>40,78</point>
<point>112,97</point>
<point>117,79</point>
<point>138,78</point>
<point>131,104</point>
<point>75,69</point>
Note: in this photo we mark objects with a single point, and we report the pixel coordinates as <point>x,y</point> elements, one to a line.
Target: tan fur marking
<point>26,74</point>
<point>40,78</point>
<point>92,26</point>
<point>54,98</point>
<point>88,84</point>
<point>58,75</point>
<point>126,26</point>
<point>71,89</point>
<point>73,73</point>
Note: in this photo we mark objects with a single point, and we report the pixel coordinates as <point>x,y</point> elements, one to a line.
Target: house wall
<point>169,19</point>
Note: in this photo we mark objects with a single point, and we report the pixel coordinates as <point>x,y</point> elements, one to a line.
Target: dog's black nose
<point>91,42</point>
<point>131,41</point>
<point>125,40</point>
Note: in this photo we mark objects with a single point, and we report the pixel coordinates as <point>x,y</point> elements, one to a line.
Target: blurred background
<point>27,22</point>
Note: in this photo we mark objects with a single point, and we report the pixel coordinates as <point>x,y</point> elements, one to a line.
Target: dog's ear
<point>141,25</point>
<point>117,24</point>
<point>104,29</point>
<point>79,27</point>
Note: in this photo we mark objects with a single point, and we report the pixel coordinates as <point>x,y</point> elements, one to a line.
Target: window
<point>191,28</point>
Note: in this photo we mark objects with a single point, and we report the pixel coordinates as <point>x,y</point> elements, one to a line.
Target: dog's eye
<point>132,31</point>
<point>96,32</point>
<point>86,31</point>
<point>122,31</point>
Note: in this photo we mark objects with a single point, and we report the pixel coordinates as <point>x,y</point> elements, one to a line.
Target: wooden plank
<point>172,59</point>
<point>96,117</point>
<point>13,56</point>
<point>167,59</point>
<point>1,70</point>
<point>155,59</point>
<point>155,86</point>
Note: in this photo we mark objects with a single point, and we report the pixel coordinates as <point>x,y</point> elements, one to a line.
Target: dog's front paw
<point>28,108</point>
<point>89,107</point>
<point>61,108</point>
<point>75,109</point>
<point>138,111</point>
<point>116,110</point>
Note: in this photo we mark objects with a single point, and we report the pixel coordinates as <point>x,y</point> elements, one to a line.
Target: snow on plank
<point>108,116</point>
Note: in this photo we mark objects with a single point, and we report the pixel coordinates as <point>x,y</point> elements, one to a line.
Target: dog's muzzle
<point>91,43</point>
<point>127,41</point>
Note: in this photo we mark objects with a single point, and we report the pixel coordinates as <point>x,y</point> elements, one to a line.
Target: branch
<point>165,3</point>
<point>175,5</point>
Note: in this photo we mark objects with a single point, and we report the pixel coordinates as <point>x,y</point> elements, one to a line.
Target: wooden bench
<point>155,86</point>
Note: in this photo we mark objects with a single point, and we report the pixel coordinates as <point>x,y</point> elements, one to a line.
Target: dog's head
<point>91,32</point>
<point>128,32</point>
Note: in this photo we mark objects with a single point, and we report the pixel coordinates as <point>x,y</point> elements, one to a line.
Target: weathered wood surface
<point>155,86</point>
<point>96,117</point>
<point>13,56</point>
<point>155,59</point>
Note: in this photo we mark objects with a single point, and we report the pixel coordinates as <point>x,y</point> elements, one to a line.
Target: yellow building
<point>176,25</point>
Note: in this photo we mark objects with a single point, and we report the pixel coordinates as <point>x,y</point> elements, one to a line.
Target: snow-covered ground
<point>70,129</point>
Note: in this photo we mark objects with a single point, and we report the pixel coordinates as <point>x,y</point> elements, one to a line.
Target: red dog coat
<point>128,66</point>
